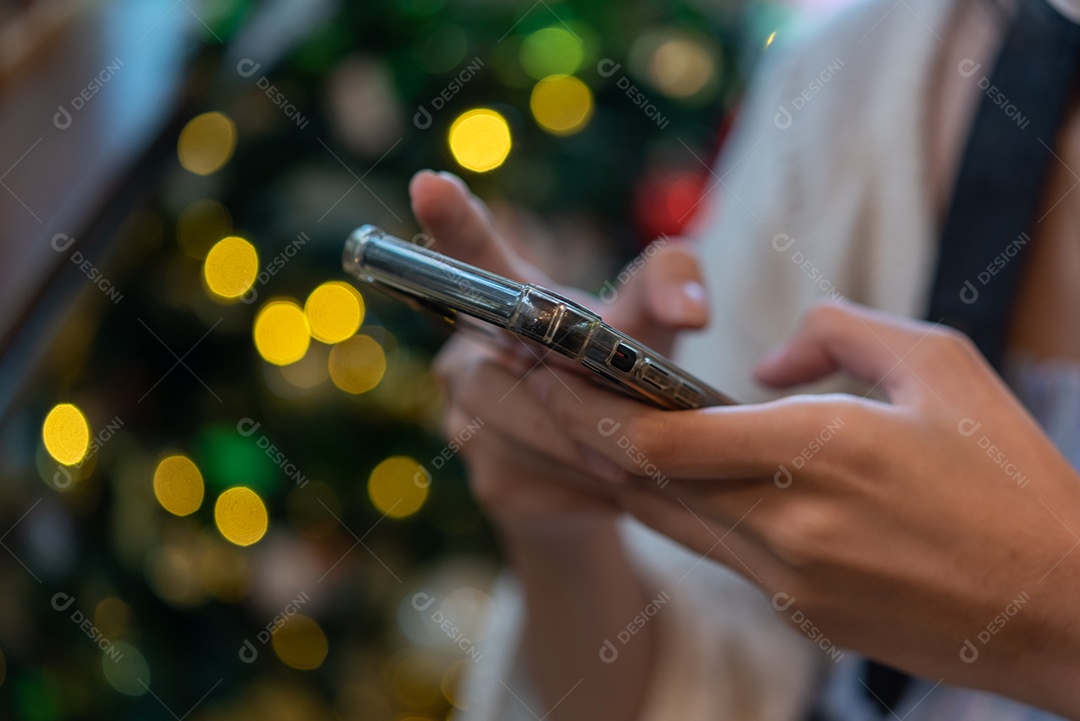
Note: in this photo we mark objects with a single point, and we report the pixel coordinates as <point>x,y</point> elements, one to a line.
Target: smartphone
<point>454,289</point>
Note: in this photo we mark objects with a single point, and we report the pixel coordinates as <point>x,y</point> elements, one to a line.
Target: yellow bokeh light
<point>202,224</point>
<point>398,486</point>
<point>231,267</point>
<point>281,332</point>
<point>357,364</point>
<point>551,51</point>
<point>66,434</point>
<point>300,643</point>
<point>178,485</point>
<point>206,143</point>
<point>480,139</point>
<point>681,67</point>
<point>334,311</point>
<point>561,104</point>
<point>769,40</point>
<point>241,516</point>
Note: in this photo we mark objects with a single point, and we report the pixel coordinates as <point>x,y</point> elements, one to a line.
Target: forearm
<point>580,591</point>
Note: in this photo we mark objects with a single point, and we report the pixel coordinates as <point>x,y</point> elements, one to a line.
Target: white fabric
<point>846,181</point>
<point>1068,8</point>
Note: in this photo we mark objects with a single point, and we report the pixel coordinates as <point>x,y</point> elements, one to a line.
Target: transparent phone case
<point>568,328</point>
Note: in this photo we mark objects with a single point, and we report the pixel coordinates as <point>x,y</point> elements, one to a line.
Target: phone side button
<point>656,377</point>
<point>623,358</point>
<point>690,396</point>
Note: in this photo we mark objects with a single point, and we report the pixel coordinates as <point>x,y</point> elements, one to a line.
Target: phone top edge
<point>526,310</point>
<point>352,258</point>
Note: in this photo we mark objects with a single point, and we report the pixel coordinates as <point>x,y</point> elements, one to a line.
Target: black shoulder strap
<point>1000,185</point>
<point>996,200</point>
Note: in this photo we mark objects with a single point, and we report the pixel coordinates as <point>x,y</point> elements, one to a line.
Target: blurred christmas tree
<point>256,518</point>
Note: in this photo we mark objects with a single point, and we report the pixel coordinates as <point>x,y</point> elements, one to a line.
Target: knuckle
<point>650,433</point>
<point>802,536</point>
<point>956,342</point>
<point>825,313</point>
<point>951,347</point>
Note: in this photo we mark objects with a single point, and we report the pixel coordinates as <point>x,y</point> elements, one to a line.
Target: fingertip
<point>455,179</point>
<point>437,202</point>
<point>695,304</point>
<point>423,184</point>
<point>681,305</point>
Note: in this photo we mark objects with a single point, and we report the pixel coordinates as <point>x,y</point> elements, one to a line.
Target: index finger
<point>726,442</point>
<point>461,226</point>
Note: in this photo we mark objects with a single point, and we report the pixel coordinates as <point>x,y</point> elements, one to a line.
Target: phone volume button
<point>623,358</point>
<point>656,377</point>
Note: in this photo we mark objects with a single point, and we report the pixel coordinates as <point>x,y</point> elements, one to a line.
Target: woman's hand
<point>511,458</point>
<point>557,521</point>
<point>934,532</point>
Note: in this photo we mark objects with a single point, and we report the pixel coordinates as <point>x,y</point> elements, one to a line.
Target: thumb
<point>665,292</point>
<point>865,343</point>
<point>459,223</point>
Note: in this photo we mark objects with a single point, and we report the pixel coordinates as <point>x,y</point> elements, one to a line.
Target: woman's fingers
<point>660,292</point>
<point>720,540</point>
<point>461,226</point>
<point>748,441</point>
<point>898,355</point>
<point>485,391</point>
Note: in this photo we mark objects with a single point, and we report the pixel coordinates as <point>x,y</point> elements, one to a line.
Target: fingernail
<point>539,385</point>
<point>694,292</point>
<point>686,302</point>
<point>697,306</point>
<point>452,178</point>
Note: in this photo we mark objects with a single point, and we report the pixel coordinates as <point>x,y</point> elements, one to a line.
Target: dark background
<point>160,366</point>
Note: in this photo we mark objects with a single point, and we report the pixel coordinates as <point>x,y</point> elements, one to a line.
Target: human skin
<point>556,522</point>
<point>904,533</point>
<point>902,537</point>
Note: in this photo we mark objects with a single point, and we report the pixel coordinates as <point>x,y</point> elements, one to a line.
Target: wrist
<point>557,534</point>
